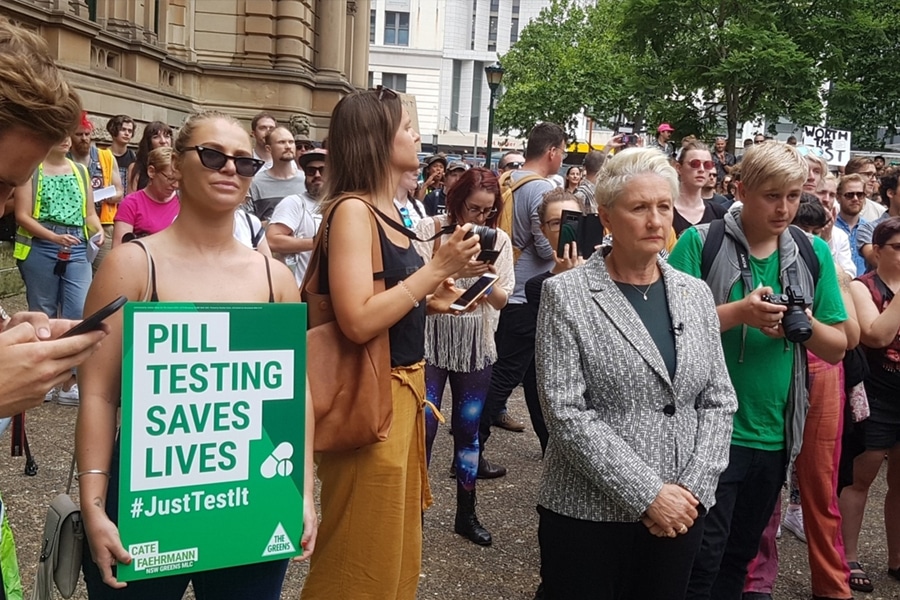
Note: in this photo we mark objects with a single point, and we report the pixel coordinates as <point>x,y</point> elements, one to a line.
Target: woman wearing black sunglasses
<point>370,542</point>
<point>694,166</point>
<point>196,259</point>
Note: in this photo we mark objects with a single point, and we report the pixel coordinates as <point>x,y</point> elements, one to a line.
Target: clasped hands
<point>672,512</point>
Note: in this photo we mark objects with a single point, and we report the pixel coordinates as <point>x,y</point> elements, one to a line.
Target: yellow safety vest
<point>23,237</point>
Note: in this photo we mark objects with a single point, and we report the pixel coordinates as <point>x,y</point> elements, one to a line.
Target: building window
<point>474,16</point>
<point>492,34</point>
<point>396,28</point>
<point>515,6</point>
<point>395,81</point>
<point>477,84</point>
<point>92,10</point>
<point>495,6</point>
<point>371,80</point>
<point>372,27</point>
<point>514,31</point>
<point>454,95</point>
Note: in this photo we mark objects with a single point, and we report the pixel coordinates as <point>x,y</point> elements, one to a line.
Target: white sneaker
<point>51,395</point>
<point>778,532</point>
<point>793,522</point>
<point>68,398</point>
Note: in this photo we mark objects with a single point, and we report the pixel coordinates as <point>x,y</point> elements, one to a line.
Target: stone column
<point>332,36</point>
<point>259,29</point>
<point>359,75</point>
<point>289,31</point>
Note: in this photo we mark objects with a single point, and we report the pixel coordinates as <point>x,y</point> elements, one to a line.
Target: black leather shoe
<point>488,470</point>
<point>466,523</point>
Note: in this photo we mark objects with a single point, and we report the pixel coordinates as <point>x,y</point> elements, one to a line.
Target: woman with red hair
<point>461,347</point>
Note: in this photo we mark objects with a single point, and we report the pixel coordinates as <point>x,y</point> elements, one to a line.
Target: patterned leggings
<point>469,391</point>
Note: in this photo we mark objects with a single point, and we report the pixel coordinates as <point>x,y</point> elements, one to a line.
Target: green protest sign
<point>212,446</point>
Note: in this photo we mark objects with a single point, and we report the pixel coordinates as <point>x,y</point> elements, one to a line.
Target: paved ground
<point>453,568</point>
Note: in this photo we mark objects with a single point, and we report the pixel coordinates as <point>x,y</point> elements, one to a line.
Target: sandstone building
<point>162,59</point>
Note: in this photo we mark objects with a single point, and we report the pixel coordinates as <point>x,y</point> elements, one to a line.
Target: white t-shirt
<point>871,210</point>
<point>840,250</point>
<point>242,228</point>
<point>299,213</point>
<point>416,213</point>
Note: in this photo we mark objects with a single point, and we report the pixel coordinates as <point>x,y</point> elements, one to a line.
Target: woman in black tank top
<point>196,259</point>
<point>373,498</point>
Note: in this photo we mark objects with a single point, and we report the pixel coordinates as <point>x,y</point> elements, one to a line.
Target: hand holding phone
<point>476,291</point>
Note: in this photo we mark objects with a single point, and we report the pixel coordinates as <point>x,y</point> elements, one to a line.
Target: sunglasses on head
<point>385,92</point>
<point>245,166</point>
<point>707,164</point>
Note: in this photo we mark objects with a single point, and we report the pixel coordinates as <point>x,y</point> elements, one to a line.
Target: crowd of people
<point>734,333</point>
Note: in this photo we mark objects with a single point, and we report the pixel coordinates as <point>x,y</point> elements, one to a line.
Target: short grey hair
<point>629,164</point>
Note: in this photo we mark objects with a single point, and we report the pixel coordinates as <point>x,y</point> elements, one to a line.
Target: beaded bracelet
<point>402,284</point>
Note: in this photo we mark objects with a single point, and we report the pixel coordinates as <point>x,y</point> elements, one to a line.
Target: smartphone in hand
<point>475,292</point>
<point>93,322</point>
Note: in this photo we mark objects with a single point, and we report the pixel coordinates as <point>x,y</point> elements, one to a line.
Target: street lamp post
<point>494,75</point>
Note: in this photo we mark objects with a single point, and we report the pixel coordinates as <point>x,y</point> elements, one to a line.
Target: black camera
<point>487,236</point>
<point>794,322</point>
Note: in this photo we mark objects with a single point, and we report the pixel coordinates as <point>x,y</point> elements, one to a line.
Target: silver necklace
<point>642,293</point>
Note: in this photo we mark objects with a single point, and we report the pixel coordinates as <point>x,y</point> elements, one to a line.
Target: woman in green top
<point>55,213</point>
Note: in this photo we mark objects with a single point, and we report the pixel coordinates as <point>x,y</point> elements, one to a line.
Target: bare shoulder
<point>283,282</point>
<point>125,270</point>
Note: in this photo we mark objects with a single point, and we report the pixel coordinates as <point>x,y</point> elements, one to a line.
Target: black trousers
<point>745,498</point>
<point>587,560</point>
<point>515,365</point>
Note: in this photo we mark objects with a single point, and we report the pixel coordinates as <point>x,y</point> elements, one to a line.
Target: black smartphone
<point>585,230</point>
<point>475,292</point>
<point>93,322</point>
<point>488,256</point>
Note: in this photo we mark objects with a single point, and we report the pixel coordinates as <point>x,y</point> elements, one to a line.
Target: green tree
<point>864,90</point>
<point>735,60</point>
<point>568,59</point>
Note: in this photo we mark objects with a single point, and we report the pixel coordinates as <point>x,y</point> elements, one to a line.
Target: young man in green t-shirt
<point>760,361</point>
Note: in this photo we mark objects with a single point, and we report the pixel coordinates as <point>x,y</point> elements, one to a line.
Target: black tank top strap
<point>269,279</point>
<point>154,297</point>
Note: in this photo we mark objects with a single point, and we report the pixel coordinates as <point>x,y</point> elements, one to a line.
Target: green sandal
<point>859,581</point>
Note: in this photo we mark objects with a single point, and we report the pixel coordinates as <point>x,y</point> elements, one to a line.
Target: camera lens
<point>796,325</point>
<point>487,236</point>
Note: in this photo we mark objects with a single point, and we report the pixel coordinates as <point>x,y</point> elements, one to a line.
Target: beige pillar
<point>332,36</point>
<point>289,29</point>
<point>259,32</point>
<point>359,75</point>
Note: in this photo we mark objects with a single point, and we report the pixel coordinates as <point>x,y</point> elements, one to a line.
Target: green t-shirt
<point>762,381</point>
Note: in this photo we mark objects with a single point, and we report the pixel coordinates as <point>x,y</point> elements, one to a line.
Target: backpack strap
<point>255,237</point>
<point>804,245</point>
<point>711,245</point>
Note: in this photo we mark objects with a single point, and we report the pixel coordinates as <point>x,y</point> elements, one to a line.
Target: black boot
<point>488,470</point>
<point>467,524</point>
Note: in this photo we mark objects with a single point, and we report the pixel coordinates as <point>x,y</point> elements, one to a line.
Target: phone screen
<point>475,292</point>
<point>585,230</point>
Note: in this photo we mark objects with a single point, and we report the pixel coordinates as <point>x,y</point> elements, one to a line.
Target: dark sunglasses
<point>385,92</point>
<point>312,171</point>
<point>245,166</point>
<point>707,164</point>
<point>512,165</point>
<point>852,195</point>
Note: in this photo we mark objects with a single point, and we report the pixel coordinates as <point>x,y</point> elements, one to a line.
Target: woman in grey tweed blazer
<point>637,399</point>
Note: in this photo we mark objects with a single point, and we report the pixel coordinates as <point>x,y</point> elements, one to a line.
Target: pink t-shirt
<point>146,215</point>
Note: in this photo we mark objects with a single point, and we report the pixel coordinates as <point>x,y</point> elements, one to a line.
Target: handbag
<point>350,383</point>
<point>62,546</point>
